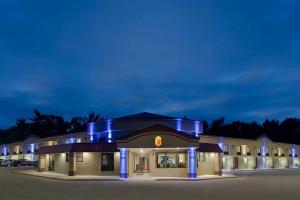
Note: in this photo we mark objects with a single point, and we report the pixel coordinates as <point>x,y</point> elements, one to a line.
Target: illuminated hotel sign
<point>158,141</point>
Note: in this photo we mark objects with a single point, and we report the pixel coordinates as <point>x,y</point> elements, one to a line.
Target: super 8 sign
<point>158,141</point>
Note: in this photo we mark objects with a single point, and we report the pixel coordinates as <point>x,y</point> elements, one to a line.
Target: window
<point>79,157</point>
<point>248,151</point>
<point>78,140</point>
<point>238,150</point>
<point>171,160</point>
<point>202,157</point>
<point>181,160</point>
<point>267,151</point>
<point>225,148</point>
<point>275,152</point>
<point>107,162</point>
<point>258,150</point>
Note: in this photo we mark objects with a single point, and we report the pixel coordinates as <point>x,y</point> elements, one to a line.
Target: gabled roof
<point>144,115</point>
<point>158,128</point>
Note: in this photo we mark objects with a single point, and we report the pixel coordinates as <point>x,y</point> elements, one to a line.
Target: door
<point>141,164</point>
<point>236,163</point>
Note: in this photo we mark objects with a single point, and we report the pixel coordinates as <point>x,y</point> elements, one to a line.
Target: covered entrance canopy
<point>158,150</point>
<point>79,147</point>
<point>209,148</point>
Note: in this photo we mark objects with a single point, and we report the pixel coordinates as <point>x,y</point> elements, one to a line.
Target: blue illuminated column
<point>192,162</point>
<point>123,162</point>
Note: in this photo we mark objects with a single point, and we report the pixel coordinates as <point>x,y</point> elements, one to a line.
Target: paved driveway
<point>264,185</point>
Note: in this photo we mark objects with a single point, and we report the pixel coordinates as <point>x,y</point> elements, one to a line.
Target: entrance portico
<point>158,151</point>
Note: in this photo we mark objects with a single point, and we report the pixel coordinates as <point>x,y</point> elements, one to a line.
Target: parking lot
<point>283,184</point>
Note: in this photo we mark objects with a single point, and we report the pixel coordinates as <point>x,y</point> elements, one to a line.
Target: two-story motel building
<point>152,145</point>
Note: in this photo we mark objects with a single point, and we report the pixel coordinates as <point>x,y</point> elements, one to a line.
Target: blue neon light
<point>192,162</point>
<point>108,129</point>
<point>72,140</point>
<point>91,128</point>
<point>197,128</point>
<point>123,163</point>
<point>263,151</point>
<point>31,148</point>
<point>293,153</point>
<point>5,151</point>
<point>178,124</point>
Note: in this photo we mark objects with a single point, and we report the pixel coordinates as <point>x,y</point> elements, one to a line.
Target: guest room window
<point>238,149</point>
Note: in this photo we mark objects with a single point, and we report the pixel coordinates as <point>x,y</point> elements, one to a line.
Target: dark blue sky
<point>202,59</point>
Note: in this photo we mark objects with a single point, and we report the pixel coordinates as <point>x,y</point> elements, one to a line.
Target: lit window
<point>258,150</point>
<point>181,160</point>
<point>225,148</point>
<point>78,140</point>
<point>238,149</point>
<point>248,150</point>
<point>171,160</point>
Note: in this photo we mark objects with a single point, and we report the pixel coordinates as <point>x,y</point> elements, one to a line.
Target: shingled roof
<point>158,128</point>
<point>144,115</point>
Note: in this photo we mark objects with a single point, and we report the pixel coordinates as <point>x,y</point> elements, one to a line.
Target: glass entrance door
<point>141,163</point>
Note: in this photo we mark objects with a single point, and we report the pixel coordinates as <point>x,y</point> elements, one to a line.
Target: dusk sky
<point>203,59</point>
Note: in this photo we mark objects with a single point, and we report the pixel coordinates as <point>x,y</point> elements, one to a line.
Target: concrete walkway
<point>64,177</point>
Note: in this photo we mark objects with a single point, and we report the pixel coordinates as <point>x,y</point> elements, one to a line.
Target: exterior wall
<point>253,159</point>
<point>228,162</point>
<point>91,165</point>
<point>60,164</point>
<point>209,166</point>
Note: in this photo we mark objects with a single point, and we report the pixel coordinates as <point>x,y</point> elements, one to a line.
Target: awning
<point>78,147</point>
<point>207,147</point>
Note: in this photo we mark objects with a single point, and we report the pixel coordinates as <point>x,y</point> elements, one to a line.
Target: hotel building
<point>151,145</point>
